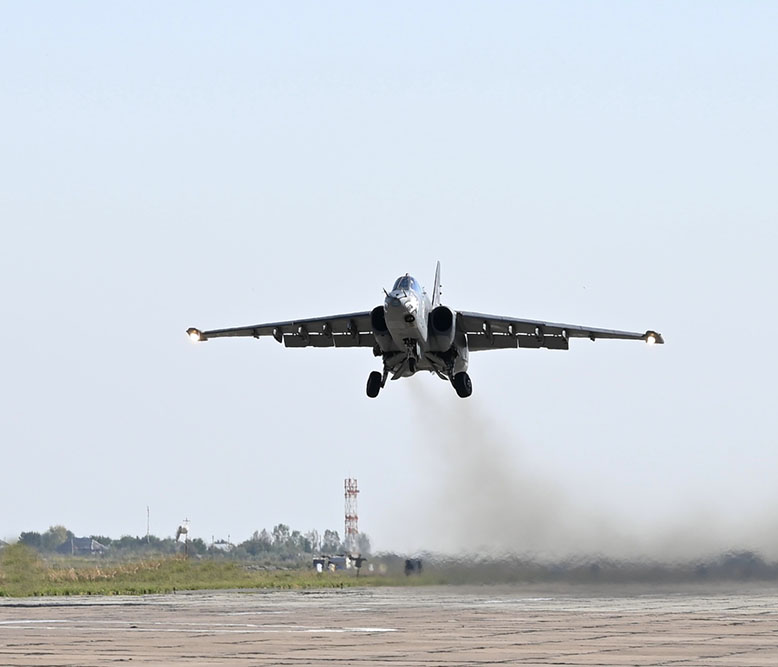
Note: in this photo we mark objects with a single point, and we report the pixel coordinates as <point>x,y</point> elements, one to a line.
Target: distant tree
<point>31,539</point>
<point>314,540</point>
<point>197,546</point>
<point>127,542</point>
<point>259,543</point>
<point>331,542</point>
<point>280,536</point>
<point>145,544</point>
<point>265,541</point>
<point>296,542</point>
<point>54,537</point>
<point>240,553</point>
<point>156,544</point>
<point>741,564</point>
<point>251,547</point>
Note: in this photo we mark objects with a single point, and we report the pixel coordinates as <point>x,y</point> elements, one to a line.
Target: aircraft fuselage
<point>406,309</point>
<point>414,347</point>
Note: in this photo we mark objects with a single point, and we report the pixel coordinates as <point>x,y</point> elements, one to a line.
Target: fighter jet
<point>412,332</point>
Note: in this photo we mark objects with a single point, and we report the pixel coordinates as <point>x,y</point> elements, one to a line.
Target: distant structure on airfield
<point>351,558</point>
<point>81,546</point>
<point>351,533</point>
<point>225,546</point>
<point>183,531</point>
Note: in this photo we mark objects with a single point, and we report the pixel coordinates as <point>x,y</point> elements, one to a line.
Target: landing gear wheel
<point>412,365</point>
<point>462,385</point>
<point>373,384</point>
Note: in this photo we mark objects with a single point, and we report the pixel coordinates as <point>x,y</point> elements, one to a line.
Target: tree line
<point>280,543</point>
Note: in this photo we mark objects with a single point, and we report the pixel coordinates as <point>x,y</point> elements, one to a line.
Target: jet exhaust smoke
<point>485,502</point>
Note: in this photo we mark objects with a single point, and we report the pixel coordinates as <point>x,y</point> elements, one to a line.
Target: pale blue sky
<point>604,163</point>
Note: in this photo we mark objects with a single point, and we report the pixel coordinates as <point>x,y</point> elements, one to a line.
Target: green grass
<point>24,573</point>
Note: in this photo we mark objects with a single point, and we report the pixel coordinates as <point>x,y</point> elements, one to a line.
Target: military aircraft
<point>411,332</point>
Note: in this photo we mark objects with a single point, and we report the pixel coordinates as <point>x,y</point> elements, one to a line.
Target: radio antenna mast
<point>352,527</point>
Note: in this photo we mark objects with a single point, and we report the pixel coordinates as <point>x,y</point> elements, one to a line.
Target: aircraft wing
<point>348,330</point>
<point>495,332</point>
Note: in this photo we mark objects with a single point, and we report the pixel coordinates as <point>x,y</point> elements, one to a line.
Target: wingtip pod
<point>195,335</point>
<point>653,338</point>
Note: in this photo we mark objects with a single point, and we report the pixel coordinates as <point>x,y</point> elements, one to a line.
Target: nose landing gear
<point>412,354</point>
<point>462,385</point>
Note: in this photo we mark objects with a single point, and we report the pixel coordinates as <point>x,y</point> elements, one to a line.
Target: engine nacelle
<point>381,332</point>
<point>442,327</point>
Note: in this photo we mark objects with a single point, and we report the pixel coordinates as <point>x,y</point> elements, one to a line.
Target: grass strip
<point>23,573</point>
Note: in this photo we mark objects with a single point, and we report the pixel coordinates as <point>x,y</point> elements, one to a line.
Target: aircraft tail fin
<point>436,292</point>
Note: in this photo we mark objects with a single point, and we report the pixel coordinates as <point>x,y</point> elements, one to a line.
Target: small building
<point>339,562</point>
<point>81,546</point>
<point>334,563</point>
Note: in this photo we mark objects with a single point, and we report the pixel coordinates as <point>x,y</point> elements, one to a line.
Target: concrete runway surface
<point>406,626</point>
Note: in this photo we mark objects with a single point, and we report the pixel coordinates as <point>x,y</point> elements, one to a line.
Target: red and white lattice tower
<point>352,527</point>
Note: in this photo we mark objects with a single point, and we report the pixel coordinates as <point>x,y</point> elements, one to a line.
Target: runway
<point>403,626</point>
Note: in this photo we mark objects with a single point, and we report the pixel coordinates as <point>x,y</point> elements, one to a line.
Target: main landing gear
<point>374,383</point>
<point>462,385</point>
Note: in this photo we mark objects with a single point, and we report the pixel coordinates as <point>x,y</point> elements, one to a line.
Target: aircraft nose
<point>399,300</point>
<point>403,304</point>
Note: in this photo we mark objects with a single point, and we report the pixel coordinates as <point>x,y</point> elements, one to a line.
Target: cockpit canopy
<point>407,283</point>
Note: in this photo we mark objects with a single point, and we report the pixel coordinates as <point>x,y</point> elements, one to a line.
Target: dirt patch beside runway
<point>417,626</point>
